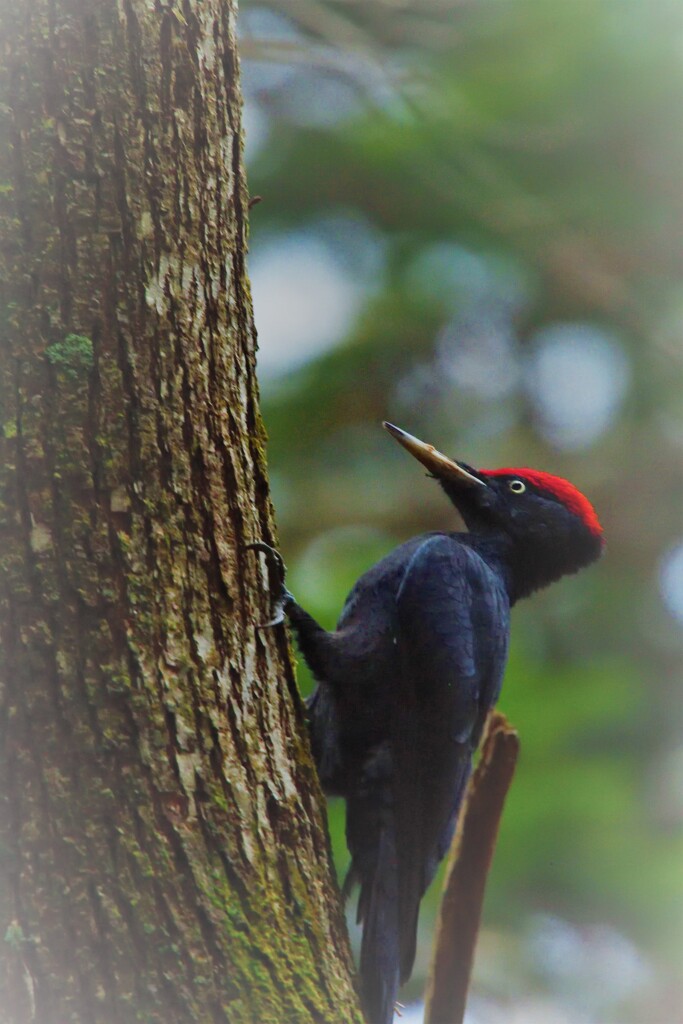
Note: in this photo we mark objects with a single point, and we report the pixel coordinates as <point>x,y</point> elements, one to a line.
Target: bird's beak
<point>437,464</point>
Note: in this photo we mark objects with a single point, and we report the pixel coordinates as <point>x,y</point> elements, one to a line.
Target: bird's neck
<point>525,564</point>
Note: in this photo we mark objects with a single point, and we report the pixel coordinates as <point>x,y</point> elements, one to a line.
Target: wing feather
<point>452,624</point>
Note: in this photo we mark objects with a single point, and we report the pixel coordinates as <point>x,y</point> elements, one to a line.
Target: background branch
<point>468,867</point>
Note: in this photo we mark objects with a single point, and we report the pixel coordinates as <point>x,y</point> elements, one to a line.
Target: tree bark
<point>163,854</point>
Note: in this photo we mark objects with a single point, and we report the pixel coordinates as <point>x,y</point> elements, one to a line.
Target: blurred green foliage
<point>515,165</point>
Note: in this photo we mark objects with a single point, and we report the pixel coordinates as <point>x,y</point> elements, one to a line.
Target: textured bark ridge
<point>162,851</point>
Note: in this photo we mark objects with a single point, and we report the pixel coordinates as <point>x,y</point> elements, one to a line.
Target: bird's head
<point>546,525</point>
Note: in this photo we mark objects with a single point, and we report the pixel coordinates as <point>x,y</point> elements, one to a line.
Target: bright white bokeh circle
<point>304,301</point>
<point>577,379</point>
<point>671,580</point>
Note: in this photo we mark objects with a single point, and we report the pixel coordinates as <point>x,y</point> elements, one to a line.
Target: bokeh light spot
<point>256,130</point>
<point>671,581</point>
<point>478,354</point>
<point>262,74</point>
<point>577,379</point>
<point>304,301</point>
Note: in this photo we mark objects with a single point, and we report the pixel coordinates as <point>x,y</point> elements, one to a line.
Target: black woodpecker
<point>408,677</point>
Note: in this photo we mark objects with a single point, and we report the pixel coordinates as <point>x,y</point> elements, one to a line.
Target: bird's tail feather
<point>380,954</point>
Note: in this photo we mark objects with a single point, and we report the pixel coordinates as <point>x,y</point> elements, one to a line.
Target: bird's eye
<point>517,486</point>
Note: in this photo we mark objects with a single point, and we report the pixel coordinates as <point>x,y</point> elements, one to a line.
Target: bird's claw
<point>277,571</point>
<point>275,621</point>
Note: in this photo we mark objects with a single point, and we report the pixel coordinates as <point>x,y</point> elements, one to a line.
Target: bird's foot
<point>277,572</point>
<point>398,1007</point>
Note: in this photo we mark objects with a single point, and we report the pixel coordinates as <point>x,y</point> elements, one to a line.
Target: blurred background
<point>472,225</point>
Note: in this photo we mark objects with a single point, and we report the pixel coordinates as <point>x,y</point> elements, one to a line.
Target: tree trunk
<point>163,855</point>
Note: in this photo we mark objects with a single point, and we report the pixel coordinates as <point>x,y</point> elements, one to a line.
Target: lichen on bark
<point>162,848</point>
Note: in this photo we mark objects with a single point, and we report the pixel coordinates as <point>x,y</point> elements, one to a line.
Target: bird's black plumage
<point>407,679</point>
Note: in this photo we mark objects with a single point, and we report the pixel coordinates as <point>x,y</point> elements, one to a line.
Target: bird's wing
<point>452,628</point>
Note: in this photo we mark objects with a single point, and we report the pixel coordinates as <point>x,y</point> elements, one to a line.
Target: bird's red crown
<point>561,489</point>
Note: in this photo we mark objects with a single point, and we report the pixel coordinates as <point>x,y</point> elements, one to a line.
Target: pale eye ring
<point>517,486</point>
